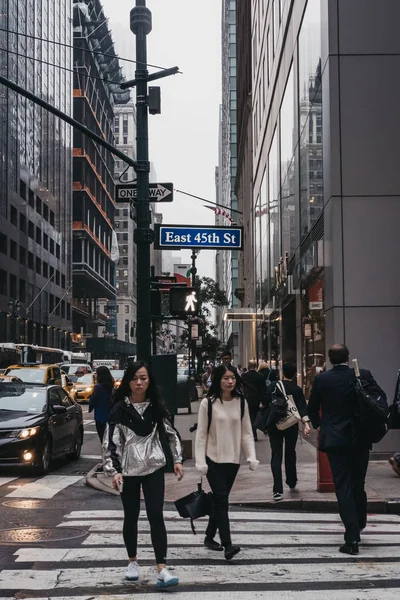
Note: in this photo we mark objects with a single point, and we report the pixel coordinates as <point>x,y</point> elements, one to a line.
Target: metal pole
<point>141,25</point>
<point>193,342</point>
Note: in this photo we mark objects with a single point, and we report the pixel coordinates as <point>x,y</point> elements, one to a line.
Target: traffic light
<point>183,301</point>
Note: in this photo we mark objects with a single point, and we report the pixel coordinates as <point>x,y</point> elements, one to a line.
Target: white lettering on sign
<point>127,193</point>
<point>178,239</point>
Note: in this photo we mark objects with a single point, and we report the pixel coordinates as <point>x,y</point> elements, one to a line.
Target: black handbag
<point>195,505</point>
<point>260,422</point>
<point>372,410</point>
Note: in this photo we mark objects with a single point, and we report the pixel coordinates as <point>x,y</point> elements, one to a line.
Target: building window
<point>22,255</point>
<point>125,225</point>
<point>125,141</point>
<point>3,243</point>
<point>45,241</point>
<point>125,272</point>
<point>22,222</point>
<point>13,215</point>
<point>31,230</point>
<point>38,266</point>
<point>38,235</point>
<point>127,309</point>
<point>125,212</point>
<point>30,260</point>
<point>13,250</point>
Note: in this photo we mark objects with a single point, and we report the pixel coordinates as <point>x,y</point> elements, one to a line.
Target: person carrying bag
<point>139,445</point>
<point>289,399</point>
<point>224,428</point>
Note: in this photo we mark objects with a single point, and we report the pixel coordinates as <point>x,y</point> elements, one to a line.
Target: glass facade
<point>288,192</point>
<point>35,171</point>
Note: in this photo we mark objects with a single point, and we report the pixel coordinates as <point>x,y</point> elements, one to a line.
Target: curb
<point>378,506</point>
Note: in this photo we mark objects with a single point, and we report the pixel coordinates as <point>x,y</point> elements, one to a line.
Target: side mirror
<point>57,409</point>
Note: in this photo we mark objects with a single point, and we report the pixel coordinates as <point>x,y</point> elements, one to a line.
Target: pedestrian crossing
<point>43,488</point>
<point>285,556</point>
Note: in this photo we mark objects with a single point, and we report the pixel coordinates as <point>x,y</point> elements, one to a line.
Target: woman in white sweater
<point>223,430</point>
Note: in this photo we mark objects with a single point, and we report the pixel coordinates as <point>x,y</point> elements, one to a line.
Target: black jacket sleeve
<point>301,403</point>
<point>314,404</point>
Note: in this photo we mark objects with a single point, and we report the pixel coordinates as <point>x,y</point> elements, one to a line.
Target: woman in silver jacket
<point>135,458</point>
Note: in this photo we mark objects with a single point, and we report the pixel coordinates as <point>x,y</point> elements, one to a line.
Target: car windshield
<point>183,372</point>
<point>16,396</point>
<point>29,375</point>
<point>117,374</point>
<point>72,369</point>
<point>86,379</point>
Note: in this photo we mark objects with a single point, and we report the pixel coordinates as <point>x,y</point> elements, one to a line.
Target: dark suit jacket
<point>333,393</point>
<point>254,387</point>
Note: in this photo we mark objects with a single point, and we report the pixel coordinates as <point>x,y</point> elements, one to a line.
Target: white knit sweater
<point>228,435</point>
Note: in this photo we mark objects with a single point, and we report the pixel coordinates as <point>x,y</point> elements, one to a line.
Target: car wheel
<point>75,454</point>
<point>45,459</point>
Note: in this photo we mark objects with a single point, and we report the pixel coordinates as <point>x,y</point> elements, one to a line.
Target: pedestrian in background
<point>135,456</point>
<point>288,436</point>
<point>206,378</point>
<point>255,391</point>
<point>101,399</point>
<point>224,428</point>
<point>334,394</point>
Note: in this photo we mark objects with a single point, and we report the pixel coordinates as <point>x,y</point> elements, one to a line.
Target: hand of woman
<point>307,428</point>
<point>178,470</point>
<point>117,480</point>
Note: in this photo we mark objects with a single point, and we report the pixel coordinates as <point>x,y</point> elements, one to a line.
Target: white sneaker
<point>165,579</point>
<point>277,496</point>
<point>132,571</point>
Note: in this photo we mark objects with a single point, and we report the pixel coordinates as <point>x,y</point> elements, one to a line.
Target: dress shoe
<point>349,548</point>
<point>212,545</point>
<point>230,551</point>
<point>395,465</point>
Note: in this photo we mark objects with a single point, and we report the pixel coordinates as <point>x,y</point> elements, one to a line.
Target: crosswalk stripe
<point>91,456</point>
<point>45,487</point>
<point>109,526</point>
<point>259,515</point>
<point>359,594</point>
<point>197,552</point>
<point>302,538</point>
<point>106,577</point>
<point>5,480</point>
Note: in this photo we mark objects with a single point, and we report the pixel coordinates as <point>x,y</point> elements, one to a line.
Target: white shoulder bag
<point>292,415</point>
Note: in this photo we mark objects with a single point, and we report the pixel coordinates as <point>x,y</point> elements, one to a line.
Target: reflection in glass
<point>288,145</point>
<point>274,208</point>
<point>310,89</point>
<point>264,239</point>
<point>257,245</point>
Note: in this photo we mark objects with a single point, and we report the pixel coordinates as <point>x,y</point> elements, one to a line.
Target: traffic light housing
<point>183,301</point>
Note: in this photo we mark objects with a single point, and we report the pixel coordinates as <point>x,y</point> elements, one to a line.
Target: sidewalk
<point>255,488</point>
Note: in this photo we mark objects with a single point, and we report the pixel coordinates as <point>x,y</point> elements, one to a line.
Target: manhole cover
<point>33,535</point>
<point>25,504</point>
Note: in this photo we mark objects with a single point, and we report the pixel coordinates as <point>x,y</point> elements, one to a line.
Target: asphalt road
<point>62,539</point>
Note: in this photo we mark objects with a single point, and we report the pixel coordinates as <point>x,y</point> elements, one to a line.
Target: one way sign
<point>158,192</point>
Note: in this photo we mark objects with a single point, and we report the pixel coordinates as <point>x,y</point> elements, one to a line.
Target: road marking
<point>359,594</point>
<point>44,488</point>
<point>198,552</point>
<point>272,515</point>
<point>90,432</point>
<point>302,538</point>
<point>92,456</point>
<point>109,526</point>
<point>289,574</point>
<point>5,480</point>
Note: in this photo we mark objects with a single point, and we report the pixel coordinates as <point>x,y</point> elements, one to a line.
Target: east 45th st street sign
<point>158,192</point>
<point>188,236</point>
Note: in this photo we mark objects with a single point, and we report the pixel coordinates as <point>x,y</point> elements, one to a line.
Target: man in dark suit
<point>254,391</point>
<point>334,394</point>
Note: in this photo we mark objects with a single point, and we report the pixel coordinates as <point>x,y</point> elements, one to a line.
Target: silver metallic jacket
<point>133,455</point>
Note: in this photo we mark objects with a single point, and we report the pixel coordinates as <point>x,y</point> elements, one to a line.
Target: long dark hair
<point>215,389</point>
<point>152,393</point>
<point>105,378</point>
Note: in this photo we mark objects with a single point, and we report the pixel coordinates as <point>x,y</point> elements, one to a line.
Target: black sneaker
<point>349,548</point>
<point>212,545</point>
<point>231,551</point>
<point>277,496</point>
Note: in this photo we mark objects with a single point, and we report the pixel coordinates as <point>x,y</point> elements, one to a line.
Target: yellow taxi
<point>12,379</point>
<point>67,384</point>
<point>36,373</point>
<point>117,375</point>
<point>83,387</point>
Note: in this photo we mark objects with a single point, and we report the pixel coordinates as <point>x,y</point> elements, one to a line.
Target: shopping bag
<point>292,416</point>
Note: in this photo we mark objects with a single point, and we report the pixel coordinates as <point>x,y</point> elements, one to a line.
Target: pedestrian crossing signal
<point>183,301</point>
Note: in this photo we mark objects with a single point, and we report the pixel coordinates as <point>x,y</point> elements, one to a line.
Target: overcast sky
<point>184,138</point>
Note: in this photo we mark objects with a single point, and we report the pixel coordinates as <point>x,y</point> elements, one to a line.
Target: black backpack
<point>372,412</point>
<point>209,411</point>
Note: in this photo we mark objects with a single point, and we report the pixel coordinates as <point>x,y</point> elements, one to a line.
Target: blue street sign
<point>207,238</point>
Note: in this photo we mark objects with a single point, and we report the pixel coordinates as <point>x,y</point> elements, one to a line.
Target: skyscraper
<point>35,174</point>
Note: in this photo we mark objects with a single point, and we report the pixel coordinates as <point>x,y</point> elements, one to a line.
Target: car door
<point>59,425</point>
<point>71,416</point>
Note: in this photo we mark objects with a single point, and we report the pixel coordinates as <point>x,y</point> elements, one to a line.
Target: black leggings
<point>100,427</point>
<point>221,477</point>
<point>153,491</point>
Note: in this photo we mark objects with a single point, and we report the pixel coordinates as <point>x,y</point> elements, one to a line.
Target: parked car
<point>38,423</point>
<point>10,379</point>
<point>83,387</point>
<point>36,373</point>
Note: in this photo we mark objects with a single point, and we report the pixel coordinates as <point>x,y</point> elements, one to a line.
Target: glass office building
<point>326,185</point>
<point>35,174</point>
